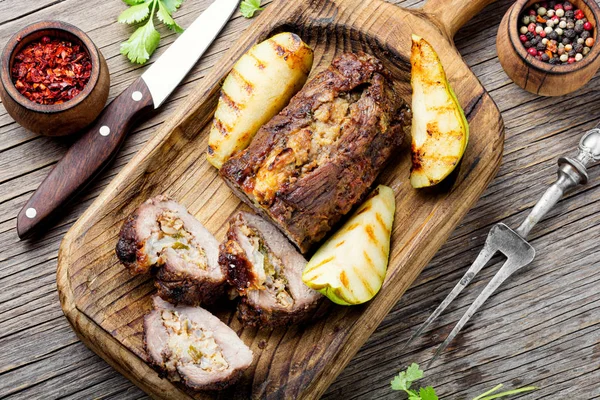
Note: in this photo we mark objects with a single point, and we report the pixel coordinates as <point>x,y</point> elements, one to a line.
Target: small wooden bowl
<point>537,76</point>
<point>56,119</point>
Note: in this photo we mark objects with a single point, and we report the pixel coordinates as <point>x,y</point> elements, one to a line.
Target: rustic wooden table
<point>541,328</point>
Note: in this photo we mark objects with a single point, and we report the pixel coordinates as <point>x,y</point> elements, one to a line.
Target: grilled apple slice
<point>440,131</point>
<point>260,84</point>
<point>350,266</point>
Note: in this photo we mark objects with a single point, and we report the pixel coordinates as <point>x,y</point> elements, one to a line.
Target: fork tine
<point>505,271</point>
<point>484,256</point>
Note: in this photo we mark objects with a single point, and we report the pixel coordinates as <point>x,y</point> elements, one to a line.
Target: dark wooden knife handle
<point>86,157</point>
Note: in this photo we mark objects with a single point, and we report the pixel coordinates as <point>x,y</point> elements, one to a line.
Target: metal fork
<point>513,243</point>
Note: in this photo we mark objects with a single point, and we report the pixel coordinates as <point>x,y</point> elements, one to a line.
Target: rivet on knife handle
<point>571,172</point>
<point>86,158</point>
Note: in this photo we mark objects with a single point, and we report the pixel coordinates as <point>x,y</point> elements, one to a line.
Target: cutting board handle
<point>451,15</point>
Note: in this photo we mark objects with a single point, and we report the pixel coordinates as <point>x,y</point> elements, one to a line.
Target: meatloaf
<point>314,161</point>
<point>161,235</point>
<point>192,346</point>
<point>266,270</point>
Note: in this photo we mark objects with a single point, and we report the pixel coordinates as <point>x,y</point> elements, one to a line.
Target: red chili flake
<point>51,71</point>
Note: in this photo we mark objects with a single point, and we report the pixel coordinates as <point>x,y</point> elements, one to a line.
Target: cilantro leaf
<point>136,13</point>
<point>142,43</point>
<point>404,380</point>
<point>164,15</point>
<point>249,7</point>
<point>171,5</point>
<point>399,382</point>
<point>428,393</point>
<point>413,373</point>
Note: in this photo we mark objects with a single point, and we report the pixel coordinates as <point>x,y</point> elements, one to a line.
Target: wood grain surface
<point>106,305</point>
<point>541,328</point>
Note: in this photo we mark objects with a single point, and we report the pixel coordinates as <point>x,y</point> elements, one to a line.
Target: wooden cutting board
<point>105,304</point>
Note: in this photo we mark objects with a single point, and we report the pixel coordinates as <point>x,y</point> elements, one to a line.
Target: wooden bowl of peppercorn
<point>54,81</point>
<point>561,64</point>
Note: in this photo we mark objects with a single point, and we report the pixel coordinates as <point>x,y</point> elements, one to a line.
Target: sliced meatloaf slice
<point>313,162</point>
<point>161,233</point>
<point>192,346</point>
<point>266,270</point>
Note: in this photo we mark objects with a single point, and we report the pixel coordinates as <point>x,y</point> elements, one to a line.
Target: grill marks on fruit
<point>260,63</point>
<point>190,344</point>
<point>235,107</point>
<point>244,83</point>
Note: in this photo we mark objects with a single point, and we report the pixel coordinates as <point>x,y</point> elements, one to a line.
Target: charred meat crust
<point>233,259</point>
<point>313,162</point>
<point>181,289</point>
<point>128,246</point>
<point>180,278</point>
<point>253,316</point>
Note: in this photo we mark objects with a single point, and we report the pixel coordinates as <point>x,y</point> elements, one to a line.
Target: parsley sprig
<point>249,7</point>
<point>144,41</point>
<point>404,380</point>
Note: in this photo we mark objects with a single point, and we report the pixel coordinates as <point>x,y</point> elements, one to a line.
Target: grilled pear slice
<point>258,87</point>
<point>440,131</point>
<point>349,268</point>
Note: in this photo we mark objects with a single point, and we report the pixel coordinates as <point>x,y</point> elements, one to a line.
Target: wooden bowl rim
<point>31,29</point>
<point>513,34</point>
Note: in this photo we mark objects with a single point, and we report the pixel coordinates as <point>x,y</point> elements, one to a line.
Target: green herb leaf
<point>404,380</point>
<point>399,381</point>
<point>249,7</point>
<point>172,5</point>
<point>428,393</point>
<point>133,2</point>
<point>145,39</point>
<point>413,373</point>
<point>136,13</point>
<point>142,43</point>
<point>164,15</point>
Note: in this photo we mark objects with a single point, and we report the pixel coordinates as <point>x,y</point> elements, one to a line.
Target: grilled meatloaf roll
<point>161,233</point>
<point>190,345</point>
<point>314,161</point>
<point>266,270</point>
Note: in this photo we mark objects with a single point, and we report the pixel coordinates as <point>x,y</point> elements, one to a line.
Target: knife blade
<point>92,152</point>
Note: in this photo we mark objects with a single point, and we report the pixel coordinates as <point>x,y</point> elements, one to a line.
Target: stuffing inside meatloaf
<point>266,270</point>
<point>161,234</point>
<point>192,346</point>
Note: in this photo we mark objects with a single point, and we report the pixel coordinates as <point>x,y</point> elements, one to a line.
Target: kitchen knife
<point>98,145</point>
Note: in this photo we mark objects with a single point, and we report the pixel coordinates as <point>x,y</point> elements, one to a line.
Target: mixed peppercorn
<point>556,32</point>
<point>51,70</point>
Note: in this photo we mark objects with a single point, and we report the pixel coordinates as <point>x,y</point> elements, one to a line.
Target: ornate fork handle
<point>571,172</point>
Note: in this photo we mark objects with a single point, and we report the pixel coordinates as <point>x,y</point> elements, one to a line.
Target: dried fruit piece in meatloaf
<point>161,233</point>
<point>266,270</point>
<point>190,345</point>
<point>314,161</point>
